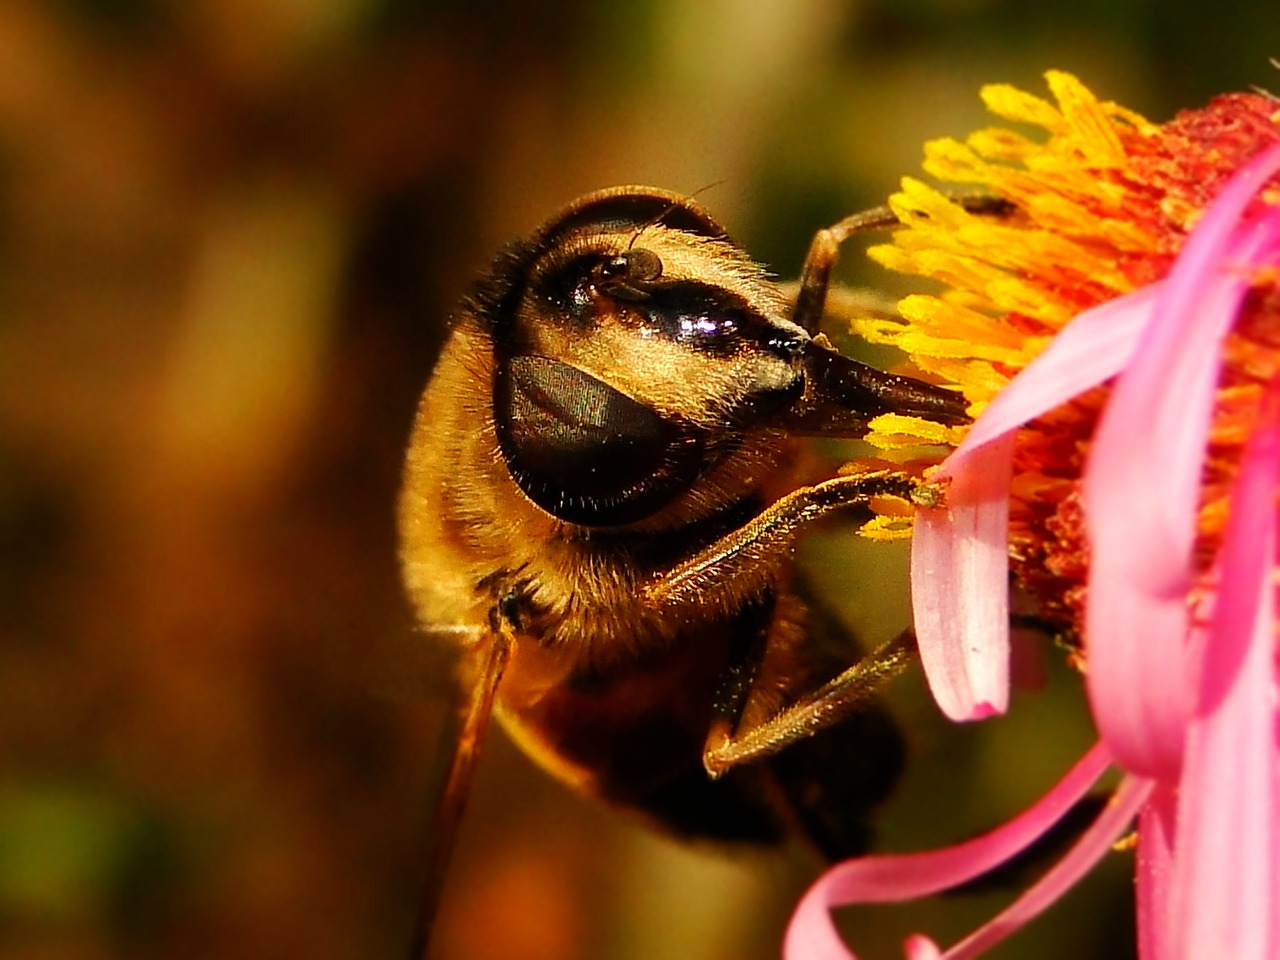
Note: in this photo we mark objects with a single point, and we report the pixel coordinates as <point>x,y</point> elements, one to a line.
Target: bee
<point>601,498</point>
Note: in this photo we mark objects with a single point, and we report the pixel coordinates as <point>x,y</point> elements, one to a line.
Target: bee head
<point>636,347</point>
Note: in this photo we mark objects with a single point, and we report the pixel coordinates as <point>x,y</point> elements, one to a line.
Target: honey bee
<point>600,504</point>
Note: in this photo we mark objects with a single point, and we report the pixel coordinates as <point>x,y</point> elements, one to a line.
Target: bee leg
<point>739,564</point>
<point>824,250</point>
<point>844,694</point>
<point>746,654</point>
<point>461,739</point>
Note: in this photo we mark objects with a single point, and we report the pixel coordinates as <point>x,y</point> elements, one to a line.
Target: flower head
<point>1119,339</point>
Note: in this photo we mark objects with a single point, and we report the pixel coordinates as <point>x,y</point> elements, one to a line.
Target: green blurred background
<point>230,233</point>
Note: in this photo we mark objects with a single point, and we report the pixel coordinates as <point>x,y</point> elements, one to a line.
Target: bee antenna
<point>667,209</point>
<point>650,222</point>
<point>703,189</point>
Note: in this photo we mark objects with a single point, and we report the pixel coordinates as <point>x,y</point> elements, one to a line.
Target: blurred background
<point>230,235</point>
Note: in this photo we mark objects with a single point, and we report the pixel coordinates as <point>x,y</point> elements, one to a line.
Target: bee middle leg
<point>738,568</point>
<point>848,692</point>
<point>845,694</point>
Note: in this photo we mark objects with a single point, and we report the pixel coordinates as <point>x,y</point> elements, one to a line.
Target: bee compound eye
<point>584,451</point>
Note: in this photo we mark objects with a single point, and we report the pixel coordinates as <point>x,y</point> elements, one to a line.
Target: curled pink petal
<point>880,879</point>
<point>1142,532</point>
<point>1087,851</point>
<point>960,597</point>
<point>1226,889</point>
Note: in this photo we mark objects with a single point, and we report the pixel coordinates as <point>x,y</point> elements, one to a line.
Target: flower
<point>1119,340</point>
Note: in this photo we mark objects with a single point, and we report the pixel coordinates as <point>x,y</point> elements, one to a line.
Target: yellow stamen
<point>1104,200</point>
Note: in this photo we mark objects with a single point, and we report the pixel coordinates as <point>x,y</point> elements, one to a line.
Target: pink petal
<point>1225,886</point>
<point>1155,872</point>
<point>882,879</point>
<point>1143,479</point>
<point>1092,846</point>
<point>959,556</point>
<point>1091,349</point>
<point>960,595</point>
<point>920,947</point>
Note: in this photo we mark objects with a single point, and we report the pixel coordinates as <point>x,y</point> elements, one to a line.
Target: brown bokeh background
<point>230,234</point>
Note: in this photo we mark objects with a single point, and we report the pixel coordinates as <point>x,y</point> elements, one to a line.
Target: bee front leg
<point>824,250</point>
<point>740,564</point>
